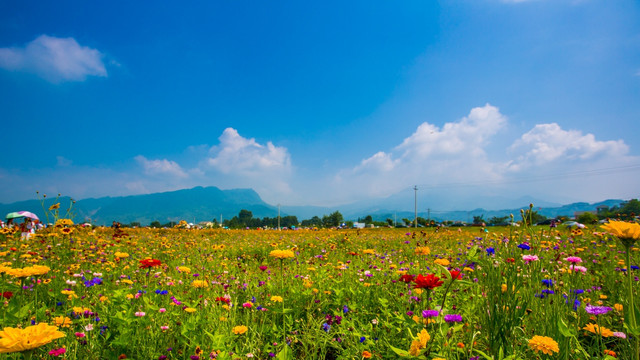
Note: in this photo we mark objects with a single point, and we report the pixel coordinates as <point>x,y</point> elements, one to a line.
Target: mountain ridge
<point>207,203</point>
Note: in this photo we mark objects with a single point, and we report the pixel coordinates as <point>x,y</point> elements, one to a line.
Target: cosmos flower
<point>597,310</point>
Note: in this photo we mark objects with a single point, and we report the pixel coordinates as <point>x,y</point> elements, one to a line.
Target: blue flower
<point>547,282</point>
<point>362,339</point>
<point>524,246</point>
<point>326,327</point>
<point>490,251</point>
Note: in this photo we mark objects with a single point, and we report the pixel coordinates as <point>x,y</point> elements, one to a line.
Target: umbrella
<point>18,214</point>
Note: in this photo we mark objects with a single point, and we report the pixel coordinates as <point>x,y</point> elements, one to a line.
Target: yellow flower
<point>31,337</point>
<point>628,233</point>
<point>62,321</point>
<point>34,270</point>
<point>543,343</point>
<point>54,206</point>
<point>200,284</point>
<point>239,330</point>
<point>595,329</point>
<point>443,262</point>
<point>503,287</point>
<point>127,281</point>
<point>189,309</point>
<point>184,269</point>
<point>618,307</point>
<point>121,255</point>
<point>419,343</point>
<point>64,222</point>
<point>423,250</point>
<point>369,251</point>
<point>276,298</point>
<point>282,254</point>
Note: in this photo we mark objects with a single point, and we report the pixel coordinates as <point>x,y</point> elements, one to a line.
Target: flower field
<point>448,293</point>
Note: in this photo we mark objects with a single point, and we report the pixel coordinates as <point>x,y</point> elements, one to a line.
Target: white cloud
<point>161,167</point>
<point>242,156</point>
<point>429,155</point>
<point>54,59</point>
<point>547,143</point>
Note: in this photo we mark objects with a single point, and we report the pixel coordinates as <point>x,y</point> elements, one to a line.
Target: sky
<point>321,103</point>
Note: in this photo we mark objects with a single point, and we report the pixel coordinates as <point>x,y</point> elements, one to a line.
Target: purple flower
<point>597,310</point>
<point>451,318</point>
<point>430,313</point>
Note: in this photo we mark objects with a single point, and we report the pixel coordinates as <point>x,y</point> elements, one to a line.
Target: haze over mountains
<point>208,203</point>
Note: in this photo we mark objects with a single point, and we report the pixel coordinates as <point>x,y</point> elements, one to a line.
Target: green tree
<point>155,224</point>
<point>332,220</point>
<point>587,218</point>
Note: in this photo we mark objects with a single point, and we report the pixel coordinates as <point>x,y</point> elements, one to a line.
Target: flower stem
<point>632,308</point>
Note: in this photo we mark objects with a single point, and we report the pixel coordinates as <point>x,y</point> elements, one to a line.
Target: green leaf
<point>399,352</point>
<point>285,354</point>
<point>564,329</point>
<point>483,354</point>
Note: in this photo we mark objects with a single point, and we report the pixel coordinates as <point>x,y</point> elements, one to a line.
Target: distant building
<point>359,225</point>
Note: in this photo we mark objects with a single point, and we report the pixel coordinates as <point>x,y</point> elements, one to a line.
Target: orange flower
<point>366,355</point>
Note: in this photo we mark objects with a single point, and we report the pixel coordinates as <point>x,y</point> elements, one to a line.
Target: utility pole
<point>278,217</point>
<point>415,208</point>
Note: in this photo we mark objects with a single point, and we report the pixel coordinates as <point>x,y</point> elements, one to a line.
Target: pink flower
<point>581,269</point>
<point>574,259</point>
<point>57,352</point>
<point>80,335</point>
<point>247,305</point>
<point>164,327</point>
<point>162,310</point>
<point>140,314</point>
<point>528,258</point>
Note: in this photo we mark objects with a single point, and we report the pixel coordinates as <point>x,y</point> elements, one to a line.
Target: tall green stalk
<point>632,309</point>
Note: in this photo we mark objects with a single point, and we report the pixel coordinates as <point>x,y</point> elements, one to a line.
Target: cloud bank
<point>54,59</point>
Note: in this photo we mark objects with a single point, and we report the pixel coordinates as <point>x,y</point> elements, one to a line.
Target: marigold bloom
<point>430,281</point>
<point>543,343</point>
<point>443,262</point>
<point>366,354</point>
<point>282,254</point>
<point>595,329</point>
<point>31,337</point>
<point>239,330</point>
<point>62,321</point>
<point>200,284</point>
<point>121,255</point>
<point>423,250</point>
<point>276,298</point>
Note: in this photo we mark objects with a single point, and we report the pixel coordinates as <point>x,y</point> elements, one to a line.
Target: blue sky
<point>321,103</point>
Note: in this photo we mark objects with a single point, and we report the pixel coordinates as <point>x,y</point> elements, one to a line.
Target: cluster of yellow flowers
<point>34,270</point>
<point>282,254</point>
<point>64,222</point>
<point>423,250</point>
<point>239,330</point>
<point>419,343</point>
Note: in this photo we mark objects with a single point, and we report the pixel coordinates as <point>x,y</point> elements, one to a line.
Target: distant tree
<point>531,216</point>
<point>155,224</point>
<point>389,222</point>
<point>587,218</point>
<point>244,216</point>
<point>478,219</point>
<point>332,220</point>
<point>368,219</point>
<point>134,224</point>
<point>497,220</point>
<point>625,211</point>
<point>314,221</point>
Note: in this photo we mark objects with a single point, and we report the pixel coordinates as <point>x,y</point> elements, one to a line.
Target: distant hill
<point>208,203</point>
<point>197,204</point>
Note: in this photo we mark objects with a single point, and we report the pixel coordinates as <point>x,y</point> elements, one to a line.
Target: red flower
<point>6,294</point>
<point>511,260</point>
<point>430,281</point>
<point>455,274</point>
<point>407,278</point>
<point>223,299</point>
<point>149,263</point>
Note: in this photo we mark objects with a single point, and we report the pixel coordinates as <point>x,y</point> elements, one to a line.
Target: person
<point>25,229</point>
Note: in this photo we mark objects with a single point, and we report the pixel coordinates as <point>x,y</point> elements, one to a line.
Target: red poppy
<point>511,260</point>
<point>149,263</point>
<point>430,281</point>
<point>455,274</point>
<point>407,278</point>
<point>6,294</point>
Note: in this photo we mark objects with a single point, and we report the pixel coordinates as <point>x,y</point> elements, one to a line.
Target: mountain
<point>208,203</point>
<point>194,205</point>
